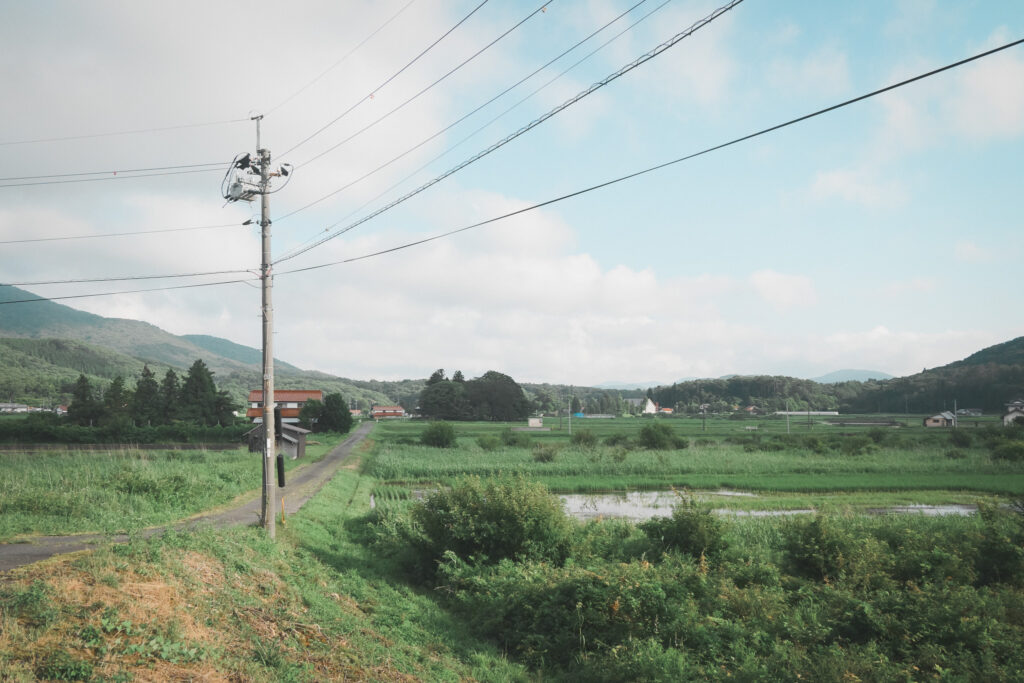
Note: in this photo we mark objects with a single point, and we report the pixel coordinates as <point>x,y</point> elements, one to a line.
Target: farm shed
<point>943,419</point>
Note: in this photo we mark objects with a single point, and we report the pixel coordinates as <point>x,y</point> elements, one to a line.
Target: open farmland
<point>740,454</point>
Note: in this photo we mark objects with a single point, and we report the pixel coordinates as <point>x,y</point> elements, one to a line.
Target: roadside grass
<point>119,491</point>
<point>231,605</point>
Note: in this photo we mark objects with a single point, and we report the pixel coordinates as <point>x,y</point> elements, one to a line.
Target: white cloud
<point>969,252</point>
<point>917,285</point>
<point>782,290</point>
<point>858,186</point>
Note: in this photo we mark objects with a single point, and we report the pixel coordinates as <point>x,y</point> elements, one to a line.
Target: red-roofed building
<point>379,412</point>
<point>290,401</point>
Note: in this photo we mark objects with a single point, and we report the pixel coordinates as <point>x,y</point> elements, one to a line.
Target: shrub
<point>438,435</point>
<point>878,435</point>
<point>955,454</point>
<point>658,436</point>
<point>544,452</point>
<point>583,438</point>
<point>1009,450</point>
<point>515,439</point>
<point>692,529</point>
<point>960,438</point>
<point>856,445</point>
<point>617,439</point>
<point>488,442</point>
<point>492,520</point>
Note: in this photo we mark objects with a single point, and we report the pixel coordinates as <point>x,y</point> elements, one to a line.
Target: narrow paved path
<point>303,486</point>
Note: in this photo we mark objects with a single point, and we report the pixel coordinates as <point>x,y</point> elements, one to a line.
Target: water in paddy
<point>643,505</point>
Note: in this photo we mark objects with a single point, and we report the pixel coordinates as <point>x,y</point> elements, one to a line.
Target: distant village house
<point>385,412</point>
<point>1014,413</point>
<point>290,401</point>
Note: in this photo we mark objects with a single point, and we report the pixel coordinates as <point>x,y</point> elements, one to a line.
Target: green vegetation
<point>726,455</point>
<point>492,396</point>
<point>64,492</point>
<point>438,435</point>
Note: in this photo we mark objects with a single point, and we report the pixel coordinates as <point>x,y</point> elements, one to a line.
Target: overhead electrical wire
<point>390,78</point>
<point>111,177</point>
<point>528,127</point>
<point>651,169</point>
<point>425,89</point>
<point>577,193</point>
<point>218,164</point>
<point>126,278</point>
<point>340,61</point>
<point>123,234</point>
<point>127,291</point>
<point>462,118</point>
<point>136,131</point>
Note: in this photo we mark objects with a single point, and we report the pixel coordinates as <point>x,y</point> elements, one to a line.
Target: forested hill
<point>44,346</point>
<point>986,380</point>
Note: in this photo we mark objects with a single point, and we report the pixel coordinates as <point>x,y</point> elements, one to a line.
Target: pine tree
<point>145,406</point>
<point>169,398</point>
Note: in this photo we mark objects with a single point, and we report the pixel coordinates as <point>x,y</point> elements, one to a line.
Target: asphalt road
<point>300,488</point>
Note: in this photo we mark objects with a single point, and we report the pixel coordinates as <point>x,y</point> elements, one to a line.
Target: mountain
<point>1007,353</point>
<point>851,376</point>
<point>43,344</point>
<point>237,352</point>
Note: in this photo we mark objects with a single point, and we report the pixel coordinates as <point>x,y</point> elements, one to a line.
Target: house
<point>13,408</point>
<point>650,407</point>
<point>356,412</point>
<point>943,419</point>
<point>289,401</point>
<point>291,440</point>
<point>665,411</point>
<point>381,412</point>
<point>1014,413</point>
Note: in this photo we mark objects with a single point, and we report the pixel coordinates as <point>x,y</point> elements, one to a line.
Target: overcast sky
<point>884,236</point>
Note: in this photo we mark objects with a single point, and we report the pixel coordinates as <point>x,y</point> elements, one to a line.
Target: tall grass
<point>121,490</point>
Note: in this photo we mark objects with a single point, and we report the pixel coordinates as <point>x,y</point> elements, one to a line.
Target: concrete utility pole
<point>267,281</point>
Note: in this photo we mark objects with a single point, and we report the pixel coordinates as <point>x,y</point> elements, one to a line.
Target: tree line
<point>492,397</point>
<point>194,399</point>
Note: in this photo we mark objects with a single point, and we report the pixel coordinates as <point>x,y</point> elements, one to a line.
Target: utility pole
<point>246,178</point>
<point>267,283</point>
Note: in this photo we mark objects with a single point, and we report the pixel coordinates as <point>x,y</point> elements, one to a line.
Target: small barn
<point>943,419</point>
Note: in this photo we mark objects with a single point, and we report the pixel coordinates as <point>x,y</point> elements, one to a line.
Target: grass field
<point>821,459</point>
<point>67,492</point>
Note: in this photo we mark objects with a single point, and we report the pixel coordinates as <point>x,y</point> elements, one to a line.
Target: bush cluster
<point>658,436</point>
<point>439,435</point>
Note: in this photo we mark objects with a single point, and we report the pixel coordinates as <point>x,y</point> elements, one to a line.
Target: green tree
<point>115,399</point>
<point>335,416</point>
<point>444,400</point>
<point>309,414</point>
<point>494,396</point>
<point>170,397</point>
<point>84,407</point>
<point>145,403</point>
<point>458,376</point>
<point>200,401</point>
<point>436,376</point>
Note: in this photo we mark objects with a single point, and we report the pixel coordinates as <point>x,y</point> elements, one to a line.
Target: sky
<point>881,236</point>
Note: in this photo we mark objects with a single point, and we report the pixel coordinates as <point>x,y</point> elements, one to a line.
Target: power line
<point>135,131</point>
<point>429,87</point>
<point>124,278</point>
<point>342,60</point>
<point>113,177</point>
<point>465,116</point>
<point>127,291</point>
<point>530,126</point>
<point>499,116</point>
<point>123,234</point>
<point>386,81</point>
<point>219,164</point>
<point>572,194</point>
<point>666,164</point>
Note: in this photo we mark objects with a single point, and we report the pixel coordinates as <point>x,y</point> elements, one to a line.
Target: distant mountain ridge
<point>57,341</point>
<point>851,376</point>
